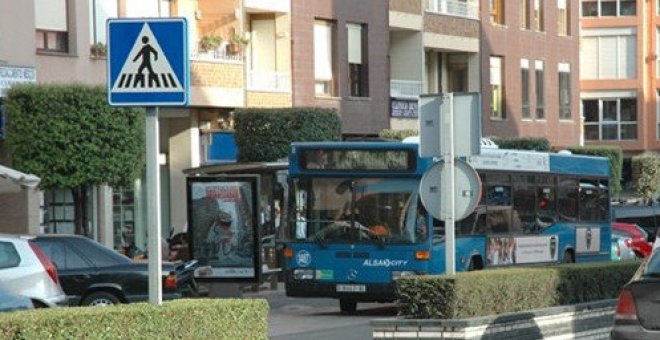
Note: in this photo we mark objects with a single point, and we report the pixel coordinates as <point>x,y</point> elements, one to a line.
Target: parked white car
<point>26,271</point>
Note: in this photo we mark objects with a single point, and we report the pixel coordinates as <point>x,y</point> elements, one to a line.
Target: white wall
<point>406,55</point>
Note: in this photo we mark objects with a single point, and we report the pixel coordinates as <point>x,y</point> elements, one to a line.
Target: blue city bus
<point>356,221</point>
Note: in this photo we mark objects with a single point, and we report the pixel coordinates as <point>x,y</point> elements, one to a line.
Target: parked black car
<point>636,315</point>
<point>91,274</point>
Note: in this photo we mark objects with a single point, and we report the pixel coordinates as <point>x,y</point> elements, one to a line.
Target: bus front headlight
<point>401,273</point>
<point>303,274</point>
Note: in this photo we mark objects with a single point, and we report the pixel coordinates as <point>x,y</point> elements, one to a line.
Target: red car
<point>636,238</point>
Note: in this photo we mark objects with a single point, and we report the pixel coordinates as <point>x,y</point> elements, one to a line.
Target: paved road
<point>318,319</point>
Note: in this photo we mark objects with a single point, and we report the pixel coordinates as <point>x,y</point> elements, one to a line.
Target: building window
<point>563,18</point>
<point>605,8</point>
<point>497,12</point>
<point>60,217</point>
<point>564,91</point>
<point>540,90</point>
<point>102,10</point>
<point>524,14</point>
<point>357,64</point>
<point>524,88</point>
<point>324,35</point>
<point>52,29</point>
<point>608,56</point>
<point>538,16</point>
<point>497,88</point>
<point>657,50</point>
<point>610,118</point>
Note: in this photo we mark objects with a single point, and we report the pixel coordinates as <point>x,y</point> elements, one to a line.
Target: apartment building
<point>340,61</point>
<point>619,73</point>
<point>530,67</point>
<point>434,47</point>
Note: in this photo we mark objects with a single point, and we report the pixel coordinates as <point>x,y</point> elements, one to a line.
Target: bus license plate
<point>351,288</point>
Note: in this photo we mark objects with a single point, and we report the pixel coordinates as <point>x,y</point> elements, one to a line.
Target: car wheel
<point>100,299</point>
<point>347,306</point>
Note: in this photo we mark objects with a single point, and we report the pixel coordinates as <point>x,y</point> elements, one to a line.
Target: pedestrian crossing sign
<point>148,62</point>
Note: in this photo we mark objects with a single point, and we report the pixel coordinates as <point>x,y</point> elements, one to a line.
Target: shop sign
<point>404,108</point>
<point>12,75</point>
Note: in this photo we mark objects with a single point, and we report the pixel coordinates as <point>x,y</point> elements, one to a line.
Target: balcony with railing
<point>268,81</point>
<point>464,9</point>
<point>405,88</point>
<point>217,55</point>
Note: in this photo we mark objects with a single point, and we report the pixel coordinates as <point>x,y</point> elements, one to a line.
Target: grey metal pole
<point>450,245</point>
<point>153,208</point>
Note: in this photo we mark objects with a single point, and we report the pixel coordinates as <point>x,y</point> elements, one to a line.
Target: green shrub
<point>615,155</point>
<point>180,319</point>
<point>497,291</point>
<point>645,174</point>
<point>397,134</point>
<point>523,143</point>
<point>265,135</point>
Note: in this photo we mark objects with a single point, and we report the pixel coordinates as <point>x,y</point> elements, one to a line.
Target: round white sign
<point>466,195</point>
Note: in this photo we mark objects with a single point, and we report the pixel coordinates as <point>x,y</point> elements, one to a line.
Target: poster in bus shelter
<point>222,228</point>
<point>508,250</point>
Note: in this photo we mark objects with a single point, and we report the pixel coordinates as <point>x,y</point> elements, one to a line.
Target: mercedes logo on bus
<point>352,274</point>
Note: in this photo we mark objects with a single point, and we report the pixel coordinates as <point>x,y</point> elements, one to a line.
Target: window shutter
<point>607,58</point>
<point>589,58</point>
<point>323,51</point>
<point>51,15</point>
<point>354,43</point>
<point>628,53</point>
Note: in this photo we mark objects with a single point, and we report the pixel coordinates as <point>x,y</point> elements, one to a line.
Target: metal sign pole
<point>153,207</point>
<point>450,247</point>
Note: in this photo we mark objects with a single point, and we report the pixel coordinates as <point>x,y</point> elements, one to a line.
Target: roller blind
<point>628,54</point>
<point>589,58</point>
<point>354,43</point>
<point>51,15</point>
<point>495,71</point>
<point>323,50</point>
<point>607,58</point>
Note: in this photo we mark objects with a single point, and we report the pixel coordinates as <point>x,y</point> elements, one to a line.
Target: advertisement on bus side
<point>508,250</point>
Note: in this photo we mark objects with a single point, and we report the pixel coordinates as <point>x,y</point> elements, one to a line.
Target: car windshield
<point>350,210</point>
<point>653,265</point>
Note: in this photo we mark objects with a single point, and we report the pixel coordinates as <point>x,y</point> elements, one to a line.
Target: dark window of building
<point>540,90</point>
<point>357,60</point>
<point>524,84</point>
<point>564,91</point>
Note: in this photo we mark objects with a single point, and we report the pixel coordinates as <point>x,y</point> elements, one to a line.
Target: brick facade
<point>227,75</point>
<point>268,99</point>
<point>406,6</point>
<point>448,25</point>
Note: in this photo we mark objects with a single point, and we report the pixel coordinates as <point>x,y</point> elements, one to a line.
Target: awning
<point>12,180</point>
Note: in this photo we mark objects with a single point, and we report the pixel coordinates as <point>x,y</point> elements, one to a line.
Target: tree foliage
<point>646,174</point>
<point>615,156</point>
<point>265,135</point>
<point>69,136</point>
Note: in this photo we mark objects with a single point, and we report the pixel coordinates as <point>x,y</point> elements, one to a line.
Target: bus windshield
<point>356,210</point>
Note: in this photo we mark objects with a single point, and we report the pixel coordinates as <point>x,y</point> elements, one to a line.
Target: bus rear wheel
<point>347,306</point>
<point>568,257</point>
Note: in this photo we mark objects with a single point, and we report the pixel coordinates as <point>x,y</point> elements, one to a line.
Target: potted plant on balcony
<point>237,43</point>
<point>98,50</point>
<point>210,43</point>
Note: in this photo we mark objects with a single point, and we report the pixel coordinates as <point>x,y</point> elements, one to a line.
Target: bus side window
<point>567,199</point>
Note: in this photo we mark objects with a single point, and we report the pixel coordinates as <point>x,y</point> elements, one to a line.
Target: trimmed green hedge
<point>645,174</point>
<point>490,292</point>
<point>615,155</point>
<point>265,135</point>
<point>180,319</point>
<point>397,134</point>
<point>523,143</point>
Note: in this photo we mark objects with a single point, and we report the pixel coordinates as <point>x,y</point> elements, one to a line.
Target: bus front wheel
<point>347,306</point>
<point>568,257</point>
